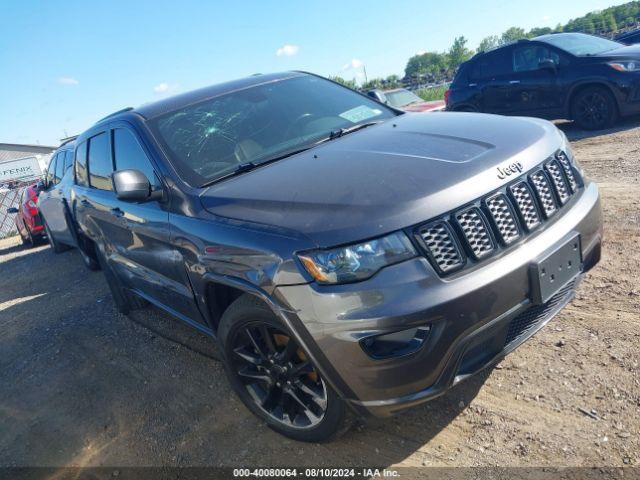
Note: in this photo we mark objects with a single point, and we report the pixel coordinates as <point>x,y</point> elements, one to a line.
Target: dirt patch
<point>82,385</point>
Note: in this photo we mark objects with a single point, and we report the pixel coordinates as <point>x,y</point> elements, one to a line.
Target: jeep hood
<point>386,177</point>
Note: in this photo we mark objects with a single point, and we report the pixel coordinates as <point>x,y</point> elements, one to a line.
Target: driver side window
<point>129,154</point>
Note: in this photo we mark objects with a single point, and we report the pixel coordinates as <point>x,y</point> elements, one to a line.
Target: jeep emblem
<point>509,170</point>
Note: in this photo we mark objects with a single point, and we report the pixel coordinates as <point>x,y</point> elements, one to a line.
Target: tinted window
<point>129,155</point>
<point>59,167</point>
<point>528,58</point>
<point>210,139</point>
<point>51,170</point>
<point>492,65</point>
<point>580,44</point>
<point>81,165</point>
<point>100,164</point>
<point>68,161</point>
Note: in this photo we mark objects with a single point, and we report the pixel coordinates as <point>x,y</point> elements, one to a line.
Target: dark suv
<point>566,75</point>
<point>344,255</point>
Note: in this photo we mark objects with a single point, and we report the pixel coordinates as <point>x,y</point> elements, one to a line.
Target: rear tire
<point>125,300</point>
<point>594,108</point>
<point>274,377</point>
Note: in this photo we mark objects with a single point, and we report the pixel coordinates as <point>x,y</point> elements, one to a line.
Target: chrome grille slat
<point>523,198</point>
<point>543,191</point>
<point>439,242</point>
<point>503,218</point>
<point>500,219</point>
<point>568,171</point>
<point>555,172</point>
<point>476,231</point>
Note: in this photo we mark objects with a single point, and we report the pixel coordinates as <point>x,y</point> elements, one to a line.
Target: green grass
<point>436,93</point>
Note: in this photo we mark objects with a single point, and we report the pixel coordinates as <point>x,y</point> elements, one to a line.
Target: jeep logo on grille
<point>514,168</point>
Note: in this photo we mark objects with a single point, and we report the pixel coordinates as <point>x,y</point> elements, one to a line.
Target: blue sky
<point>65,64</point>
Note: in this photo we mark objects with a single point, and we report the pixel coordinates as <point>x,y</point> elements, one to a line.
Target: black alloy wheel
<point>275,377</point>
<point>594,109</point>
<point>278,376</point>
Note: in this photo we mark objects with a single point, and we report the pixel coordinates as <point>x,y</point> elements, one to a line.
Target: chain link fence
<point>10,197</point>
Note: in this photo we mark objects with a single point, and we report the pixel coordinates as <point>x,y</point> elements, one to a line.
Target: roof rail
<point>128,109</point>
<point>64,141</point>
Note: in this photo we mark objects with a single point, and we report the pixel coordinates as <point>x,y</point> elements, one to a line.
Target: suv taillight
<point>446,96</point>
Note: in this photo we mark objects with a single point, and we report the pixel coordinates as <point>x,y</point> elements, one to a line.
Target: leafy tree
<point>428,63</point>
<point>393,81</point>
<point>536,32</point>
<point>488,43</point>
<point>373,83</point>
<point>512,34</point>
<point>346,83</point>
<point>458,52</point>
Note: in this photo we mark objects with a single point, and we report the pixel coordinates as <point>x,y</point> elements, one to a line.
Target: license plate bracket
<point>555,269</point>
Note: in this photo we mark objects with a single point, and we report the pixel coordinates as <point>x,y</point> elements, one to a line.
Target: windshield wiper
<point>248,166</point>
<point>345,131</point>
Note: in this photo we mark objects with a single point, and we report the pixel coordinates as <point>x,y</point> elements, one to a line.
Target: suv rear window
<point>100,163</point>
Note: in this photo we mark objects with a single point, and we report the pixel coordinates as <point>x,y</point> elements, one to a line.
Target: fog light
<point>396,344</point>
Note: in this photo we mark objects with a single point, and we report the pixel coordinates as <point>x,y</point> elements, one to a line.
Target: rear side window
<point>59,167</point>
<point>528,58</point>
<point>100,164</point>
<point>82,177</point>
<point>51,170</point>
<point>492,65</point>
<point>129,155</point>
<point>68,161</point>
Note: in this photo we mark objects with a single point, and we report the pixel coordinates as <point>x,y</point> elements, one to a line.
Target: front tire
<point>594,108</point>
<point>274,377</point>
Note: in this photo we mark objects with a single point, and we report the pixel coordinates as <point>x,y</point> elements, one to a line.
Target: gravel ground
<point>81,385</point>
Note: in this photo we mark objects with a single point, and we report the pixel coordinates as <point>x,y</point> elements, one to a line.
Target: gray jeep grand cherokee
<point>345,256</point>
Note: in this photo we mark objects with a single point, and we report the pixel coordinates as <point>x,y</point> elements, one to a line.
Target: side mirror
<point>131,185</point>
<point>12,210</point>
<point>547,64</point>
<point>378,96</point>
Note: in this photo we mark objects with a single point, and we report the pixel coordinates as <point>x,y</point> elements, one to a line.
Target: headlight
<point>357,262</point>
<point>625,66</point>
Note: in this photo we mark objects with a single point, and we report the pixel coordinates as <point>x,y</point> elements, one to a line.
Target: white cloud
<point>165,87</point>
<point>287,50</point>
<point>421,52</point>
<point>68,81</point>
<point>546,18</point>
<point>355,63</point>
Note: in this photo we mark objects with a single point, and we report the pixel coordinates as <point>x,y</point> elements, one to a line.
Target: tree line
<point>435,67</point>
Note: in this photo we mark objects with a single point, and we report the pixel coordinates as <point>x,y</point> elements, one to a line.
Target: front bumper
<point>470,316</point>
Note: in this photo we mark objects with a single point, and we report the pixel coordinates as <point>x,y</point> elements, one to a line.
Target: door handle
<point>514,82</point>
<point>473,84</point>
<point>85,203</point>
<point>116,212</point>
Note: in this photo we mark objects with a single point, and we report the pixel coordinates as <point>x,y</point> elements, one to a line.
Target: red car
<point>406,100</point>
<point>28,220</point>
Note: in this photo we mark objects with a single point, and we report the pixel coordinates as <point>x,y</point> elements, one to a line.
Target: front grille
<point>441,246</point>
<point>533,316</point>
<point>475,231</point>
<point>555,172</point>
<point>526,205</point>
<point>499,219</point>
<point>543,191</point>
<point>503,217</point>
